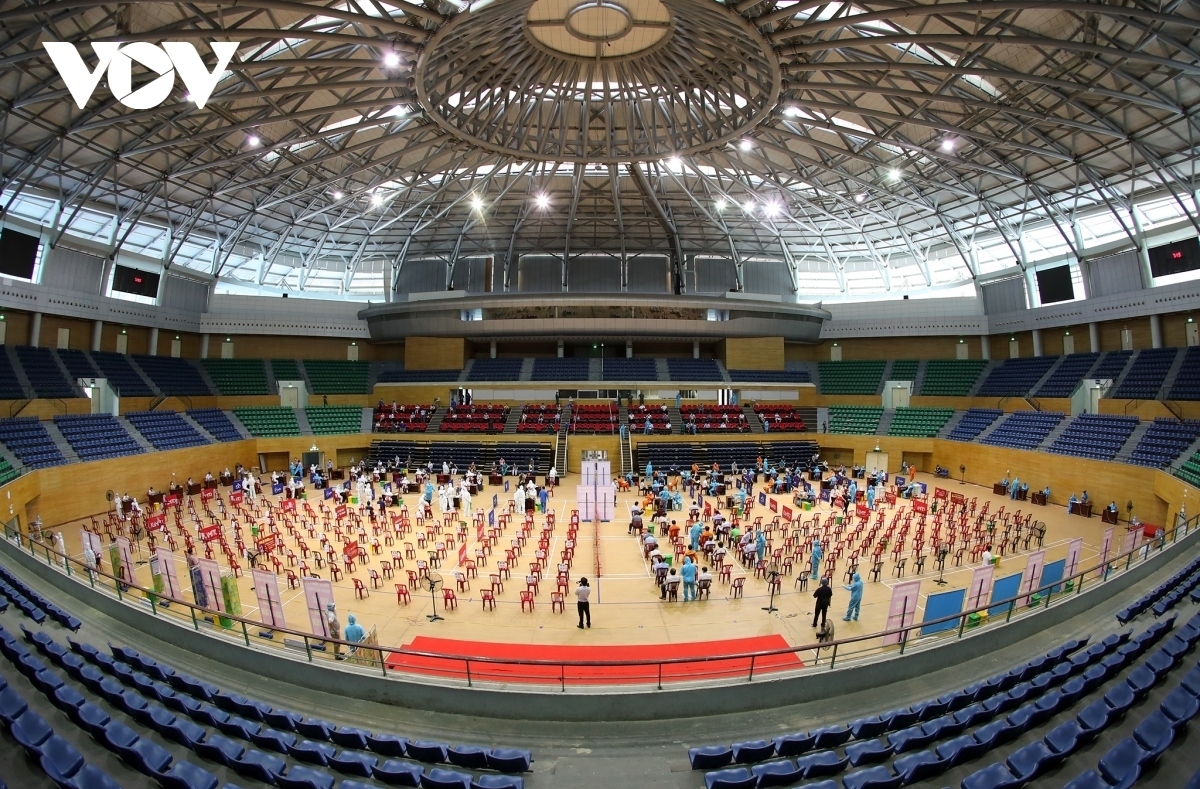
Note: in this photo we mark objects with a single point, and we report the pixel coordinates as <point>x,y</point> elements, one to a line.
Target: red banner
<point>268,542</point>
<point>172,500</point>
<point>957,498</point>
<point>920,507</point>
<point>890,497</point>
<point>787,513</point>
<point>861,511</point>
<point>340,512</point>
<point>462,552</point>
<point>941,493</point>
<point>236,497</point>
<point>206,494</point>
<point>210,533</point>
<point>351,550</point>
<point>156,522</point>
<point>707,510</point>
<point>288,505</point>
<point>773,504</point>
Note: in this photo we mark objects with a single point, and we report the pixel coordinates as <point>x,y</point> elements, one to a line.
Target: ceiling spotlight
<point>948,144</point>
<point>858,198</point>
<point>748,206</point>
<point>542,201</point>
<point>477,202</point>
<point>377,199</point>
<point>252,141</point>
<point>673,162</point>
<point>391,60</point>
<point>771,208</point>
<point>894,174</point>
<point>746,145</point>
<point>337,195</point>
<point>721,204</point>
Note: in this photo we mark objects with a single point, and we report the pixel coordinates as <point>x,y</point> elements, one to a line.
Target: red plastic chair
<point>449,600</point>
<point>487,598</point>
<point>738,583</point>
<point>360,589</point>
<point>557,601</point>
<point>527,597</point>
<point>402,594</point>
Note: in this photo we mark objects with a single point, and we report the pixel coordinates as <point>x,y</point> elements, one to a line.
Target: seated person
<point>670,586</point>
<point>649,543</point>
<point>1046,492</point>
<point>1071,502</point>
<point>1112,507</point>
<point>1085,498</point>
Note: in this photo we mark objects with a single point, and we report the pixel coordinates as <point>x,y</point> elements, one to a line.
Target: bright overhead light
<point>477,202</point>
<point>542,201</point>
<point>858,198</point>
<point>391,60</point>
<point>894,174</point>
<point>772,208</point>
<point>746,145</point>
<point>948,144</point>
<point>377,199</point>
<point>748,206</point>
<point>337,195</point>
<point>721,204</point>
<point>252,141</point>
<point>673,162</point>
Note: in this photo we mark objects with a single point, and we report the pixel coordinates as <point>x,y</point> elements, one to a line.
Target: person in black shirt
<point>824,596</point>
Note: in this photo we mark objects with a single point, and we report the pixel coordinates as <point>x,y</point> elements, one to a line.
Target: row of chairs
<point>1151,599</point>
<point>32,604</point>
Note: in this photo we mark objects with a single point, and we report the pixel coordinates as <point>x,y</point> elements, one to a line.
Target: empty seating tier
<point>919,422</point>
<point>1015,377</point>
<point>694,370</point>
<point>474,418</point>
<point>397,376</point>
<point>7,472</point>
<point>904,370</point>
<point>779,417</point>
<point>859,419</point>
<point>851,378</point>
<point>951,377</point>
<point>1094,436</point>
<point>286,370</point>
<point>495,370</point>
<point>121,375</point>
<point>1187,380</point>
<point>238,376</point>
<point>96,436</point>
<point>29,440</point>
<point>269,422</point>
<point>621,369</point>
<point>216,422</point>
<point>10,387</point>
<point>173,376</point>
<point>564,369</point>
<point>1190,470</point>
<point>974,422</point>
<point>1163,442</point>
<point>595,418</point>
<point>338,376</point>
<point>1147,374</point>
<point>78,364</point>
<point>334,419</point>
<point>401,418</point>
<point>44,374</point>
<point>1111,365</point>
<point>165,429</point>
<point>670,455</point>
<point>1068,375</point>
<point>1024,429</point>
<point>770,376</point>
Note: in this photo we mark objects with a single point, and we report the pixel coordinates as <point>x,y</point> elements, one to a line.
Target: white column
<point>97,334</point>
<point>1156,331</point>
<point>35,329</point>
<point>1094,336</point>
<point>695,349</point>
<point>153,342</point>
<point>985,347</point>
<point>1037,342</point>
<point>203,346</point>
<point>492,349</point>
<point>629,349</point>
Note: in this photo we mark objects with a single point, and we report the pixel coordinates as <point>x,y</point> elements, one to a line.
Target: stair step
<point>60,441</point>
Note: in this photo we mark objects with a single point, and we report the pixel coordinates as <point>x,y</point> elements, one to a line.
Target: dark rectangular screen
<point>1054,284</point>
<point>18,253</point>
<point>1175,258</point>
<point>135,281</point>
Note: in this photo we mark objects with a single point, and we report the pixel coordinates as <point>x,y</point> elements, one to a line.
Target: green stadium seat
<point>7,472</point>
<point>333,376</point>
<point>904,370</point>
<point>919,422</point>
<point>334,419</point>
<point>269,422</point>
<point>286,370</point>
<point>857,419</point>
<point>951,377</point>
<point>237,376</point>
<point>851,378</point>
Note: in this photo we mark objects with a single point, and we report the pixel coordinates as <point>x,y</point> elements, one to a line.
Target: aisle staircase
<point>1126,450</point>
<point>560,444</point>
<point>64,446</point>
<point>626,453</point>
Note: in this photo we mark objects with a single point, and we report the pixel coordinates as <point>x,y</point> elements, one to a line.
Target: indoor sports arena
<point>568,394</point>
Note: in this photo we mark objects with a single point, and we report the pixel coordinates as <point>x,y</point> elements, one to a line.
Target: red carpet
<point>453,664</point>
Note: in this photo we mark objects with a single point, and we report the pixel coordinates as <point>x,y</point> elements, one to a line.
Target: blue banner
<point>900,481</point>
<point>762,499</point>
<point>329,493</point>
<point>496,499</point>
<point>1052,573</point>
<point>506,486</point>
<point>943,604</point>
<point>491,517</point>
<point>277,488</point>
<point>1003,589</point>
<point>825,494</point>
<point>237,484</point>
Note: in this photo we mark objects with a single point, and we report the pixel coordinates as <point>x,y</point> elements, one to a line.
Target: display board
<point>903,609</point>
<point>1004,589</point>
<point>1031,579</point>
<point>318,592</point>
<point>270,604</point>
<point>943,604</point>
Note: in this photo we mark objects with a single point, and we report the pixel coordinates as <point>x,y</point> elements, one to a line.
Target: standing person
<point>688,571</point>
<point>817,553</point>
<point>823,596</point>
<point>760,544</point>
<point>856,590</point>
<point>354,633</point>
<point>582,593</point>
<point>335,629</point>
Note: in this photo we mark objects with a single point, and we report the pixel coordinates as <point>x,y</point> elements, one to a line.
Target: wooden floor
<point>626,608</point>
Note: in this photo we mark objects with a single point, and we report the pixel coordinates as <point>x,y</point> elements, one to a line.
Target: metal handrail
<point>64,562</point>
